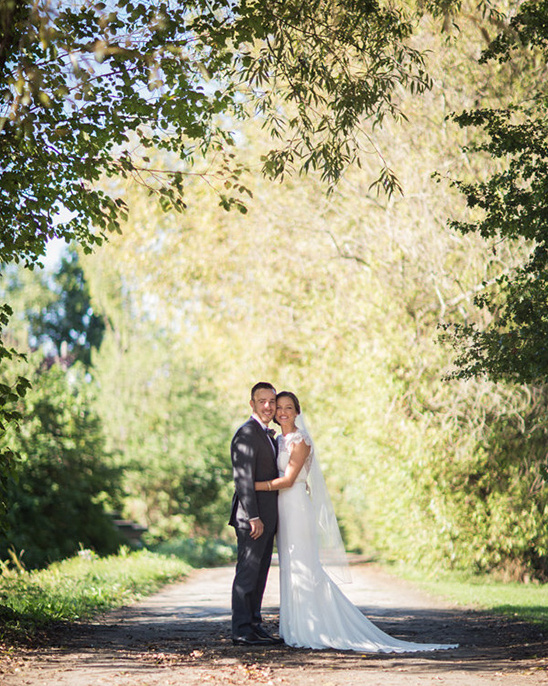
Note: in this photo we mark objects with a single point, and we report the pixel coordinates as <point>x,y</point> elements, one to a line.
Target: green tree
<point>160,412</point>
<point>68,318</point>
<point>161,417</point>
<point>64,479</point>
<point>510,206</point>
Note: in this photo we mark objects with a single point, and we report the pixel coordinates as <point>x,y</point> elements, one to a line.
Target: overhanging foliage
<point>513,206</point>
<point>88,89</point>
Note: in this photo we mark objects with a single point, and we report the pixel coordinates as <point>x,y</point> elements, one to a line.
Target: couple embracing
<point>280,491</point>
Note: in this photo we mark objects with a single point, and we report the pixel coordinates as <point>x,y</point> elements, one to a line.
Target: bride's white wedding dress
<point>314,613</point>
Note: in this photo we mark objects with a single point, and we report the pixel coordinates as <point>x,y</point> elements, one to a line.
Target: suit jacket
<point>253,456</point>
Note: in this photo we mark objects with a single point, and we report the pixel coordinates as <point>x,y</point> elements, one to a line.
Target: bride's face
<point>285,411</point>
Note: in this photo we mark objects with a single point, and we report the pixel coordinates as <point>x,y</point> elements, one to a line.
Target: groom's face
<point>263,404</point>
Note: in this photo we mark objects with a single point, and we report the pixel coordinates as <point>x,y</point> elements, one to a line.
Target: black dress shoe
<point>251,639</point>
<point>263,633</point>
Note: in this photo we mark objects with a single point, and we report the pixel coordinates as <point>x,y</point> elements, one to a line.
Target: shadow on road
<point>183,635</point>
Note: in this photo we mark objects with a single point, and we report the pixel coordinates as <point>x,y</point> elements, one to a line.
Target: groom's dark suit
<point>253,456</point>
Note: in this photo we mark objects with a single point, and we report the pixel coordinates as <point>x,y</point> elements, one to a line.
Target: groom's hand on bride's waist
<point>257,528</point>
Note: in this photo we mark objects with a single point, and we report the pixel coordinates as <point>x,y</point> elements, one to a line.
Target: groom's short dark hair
<point>259,386</point>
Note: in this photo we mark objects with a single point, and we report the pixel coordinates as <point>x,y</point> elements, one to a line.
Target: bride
<point>314,613</point>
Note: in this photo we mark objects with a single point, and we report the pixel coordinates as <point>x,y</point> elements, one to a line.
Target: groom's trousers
<point>254,557</point>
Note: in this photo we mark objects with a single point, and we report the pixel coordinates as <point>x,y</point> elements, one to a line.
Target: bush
<point>475,501</point>
<point>64,480</point>
<point>199,552</point>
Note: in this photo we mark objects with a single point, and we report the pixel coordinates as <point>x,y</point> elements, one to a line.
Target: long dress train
<point>314,613</point>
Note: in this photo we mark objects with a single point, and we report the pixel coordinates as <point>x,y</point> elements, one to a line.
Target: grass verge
<point>79,587</point>
<point>524,601</point>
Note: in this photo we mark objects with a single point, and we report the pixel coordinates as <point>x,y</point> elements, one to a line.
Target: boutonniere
<point>271,433</point>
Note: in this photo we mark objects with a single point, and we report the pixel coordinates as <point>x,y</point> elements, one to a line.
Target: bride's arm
<point>299,453</point>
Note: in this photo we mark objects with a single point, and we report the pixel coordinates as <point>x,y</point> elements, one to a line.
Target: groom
<point>254,516</point>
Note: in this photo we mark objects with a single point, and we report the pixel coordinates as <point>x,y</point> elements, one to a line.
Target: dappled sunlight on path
<point>182,636</point>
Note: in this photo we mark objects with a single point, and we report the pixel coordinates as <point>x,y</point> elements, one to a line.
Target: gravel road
<point>181,636</point>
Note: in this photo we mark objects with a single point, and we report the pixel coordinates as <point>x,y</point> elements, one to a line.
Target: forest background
<point>141,355</point>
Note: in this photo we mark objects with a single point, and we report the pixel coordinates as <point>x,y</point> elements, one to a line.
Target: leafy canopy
<point>88,88</point>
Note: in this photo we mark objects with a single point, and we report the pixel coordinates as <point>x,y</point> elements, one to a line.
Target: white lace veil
<point>331,547</point>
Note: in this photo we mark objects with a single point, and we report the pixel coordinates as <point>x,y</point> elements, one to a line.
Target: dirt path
<point>181,636</point>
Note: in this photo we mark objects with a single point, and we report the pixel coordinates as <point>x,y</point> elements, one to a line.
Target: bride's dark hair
<point>288,394</point>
